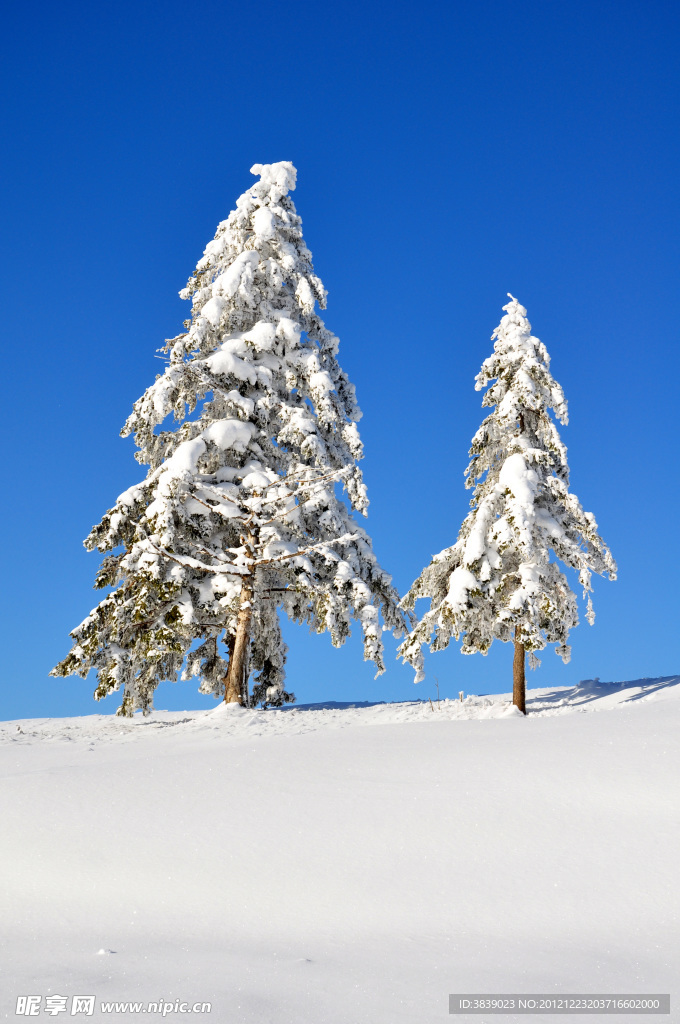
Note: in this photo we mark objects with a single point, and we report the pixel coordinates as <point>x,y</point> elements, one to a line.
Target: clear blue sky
<point>447,153</point>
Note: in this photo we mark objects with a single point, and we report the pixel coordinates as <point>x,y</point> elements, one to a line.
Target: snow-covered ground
<point>345,864</point>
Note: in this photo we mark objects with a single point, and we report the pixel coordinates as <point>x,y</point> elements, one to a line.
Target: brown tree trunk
<point>237,674</point>
<point>519,690</point>
<point>230,642</point>
<point>236,681</point>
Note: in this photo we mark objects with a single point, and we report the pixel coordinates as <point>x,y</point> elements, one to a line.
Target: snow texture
<point>246,487</point>
<point>405,852</point>
<point>501,580</point>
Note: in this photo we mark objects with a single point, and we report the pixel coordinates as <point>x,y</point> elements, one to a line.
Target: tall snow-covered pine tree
<point>239,515</point>
<point>500,579</point>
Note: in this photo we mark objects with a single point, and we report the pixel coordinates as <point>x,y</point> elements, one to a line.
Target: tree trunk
<point>230,642</point>
<point>519,689</point>
<point>236,681</point>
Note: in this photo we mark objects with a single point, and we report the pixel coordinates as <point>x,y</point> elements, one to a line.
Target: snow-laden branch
<point>249,564</point>
<point>193,563</point>
<point>345,539</point>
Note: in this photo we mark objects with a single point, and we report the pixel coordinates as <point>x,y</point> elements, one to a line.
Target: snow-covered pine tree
<point>239,515</point>
<point>499,580</point>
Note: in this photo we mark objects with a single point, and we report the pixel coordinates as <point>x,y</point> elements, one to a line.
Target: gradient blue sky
<point>447,153</point>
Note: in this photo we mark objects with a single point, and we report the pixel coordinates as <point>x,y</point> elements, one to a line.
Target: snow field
<point>345,865</point>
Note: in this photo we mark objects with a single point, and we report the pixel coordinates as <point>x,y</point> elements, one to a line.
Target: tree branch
<point>302,551</point>
<point>192,563</point>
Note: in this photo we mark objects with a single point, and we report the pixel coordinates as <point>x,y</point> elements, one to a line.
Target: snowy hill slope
<point>345,864</point>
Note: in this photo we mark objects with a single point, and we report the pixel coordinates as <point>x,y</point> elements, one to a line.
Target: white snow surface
<point>346,863</point>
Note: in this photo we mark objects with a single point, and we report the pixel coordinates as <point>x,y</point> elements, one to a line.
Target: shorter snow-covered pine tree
<point>239,516</point>
<point>501,579</point>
